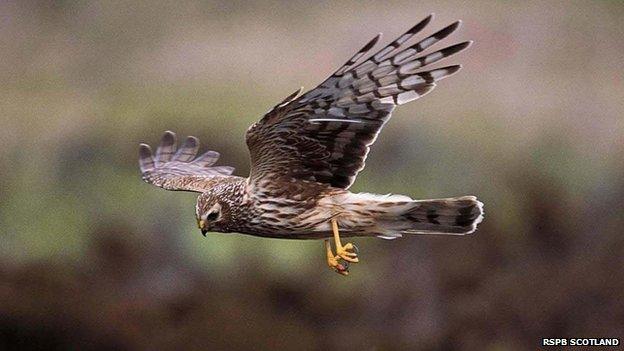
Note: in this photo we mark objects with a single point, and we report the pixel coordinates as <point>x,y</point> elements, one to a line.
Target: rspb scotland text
<point>581,342</point>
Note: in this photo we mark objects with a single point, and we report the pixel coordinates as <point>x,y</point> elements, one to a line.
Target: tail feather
<point>391,216</point>
<point>458,216</point>
<point>459,212</point>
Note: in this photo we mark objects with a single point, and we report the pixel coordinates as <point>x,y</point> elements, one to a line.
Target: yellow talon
<point>348,252</point>
<point>332,261</point>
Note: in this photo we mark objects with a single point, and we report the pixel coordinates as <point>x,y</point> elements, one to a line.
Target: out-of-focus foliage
<point>91,257</point>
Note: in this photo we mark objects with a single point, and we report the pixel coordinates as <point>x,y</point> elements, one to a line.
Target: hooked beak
<point>202,227</point>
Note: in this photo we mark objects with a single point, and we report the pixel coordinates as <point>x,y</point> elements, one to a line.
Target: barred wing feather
<point>324,135</point>
<point>179,169</point>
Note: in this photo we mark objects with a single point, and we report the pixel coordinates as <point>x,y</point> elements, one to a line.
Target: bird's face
<point>211,214</point>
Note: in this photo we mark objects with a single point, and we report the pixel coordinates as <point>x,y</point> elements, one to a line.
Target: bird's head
<point>212,213</point>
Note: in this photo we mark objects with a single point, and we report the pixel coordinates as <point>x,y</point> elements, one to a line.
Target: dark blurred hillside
<point>93,258</point>
<point>562,277</point>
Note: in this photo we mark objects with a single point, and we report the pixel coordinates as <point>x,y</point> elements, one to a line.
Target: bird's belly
<point>291,229</point>
<point>289,218</point>
<point>299,235</point>
<point>312,224</point>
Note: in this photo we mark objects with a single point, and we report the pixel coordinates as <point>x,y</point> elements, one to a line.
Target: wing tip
<point>449,70</point>
<point>371,43</point>
<point>448,30</point>
<point>145,150</point>
<point>422,24</point>
<point>146,160</point>
<point>168,138</point>
<point>191,141</point>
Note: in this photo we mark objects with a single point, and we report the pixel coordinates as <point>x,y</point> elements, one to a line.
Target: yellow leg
<point>347,253</point>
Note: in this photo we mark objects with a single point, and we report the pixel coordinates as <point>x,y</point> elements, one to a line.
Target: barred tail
<point>458,216</point>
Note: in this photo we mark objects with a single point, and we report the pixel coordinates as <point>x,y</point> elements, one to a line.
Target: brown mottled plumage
<point>308,149</point>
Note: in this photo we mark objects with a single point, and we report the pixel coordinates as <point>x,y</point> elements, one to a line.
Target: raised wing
<point>325,134</point>
<point>178,169</point>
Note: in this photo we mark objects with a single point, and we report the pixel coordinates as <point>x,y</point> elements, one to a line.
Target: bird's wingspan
<point>324,135</point>
<point>179,169</point>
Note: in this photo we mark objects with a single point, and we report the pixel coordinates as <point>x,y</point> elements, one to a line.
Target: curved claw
<point>342,269</point>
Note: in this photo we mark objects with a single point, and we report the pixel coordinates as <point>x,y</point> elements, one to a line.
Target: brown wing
<point>173,169</point>
<point>325,134</point>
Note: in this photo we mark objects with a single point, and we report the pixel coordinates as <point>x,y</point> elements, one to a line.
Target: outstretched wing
<point>173,169</point>
<point>325,134</point>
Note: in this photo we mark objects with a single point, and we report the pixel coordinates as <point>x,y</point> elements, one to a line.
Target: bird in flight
<point>308,149</point>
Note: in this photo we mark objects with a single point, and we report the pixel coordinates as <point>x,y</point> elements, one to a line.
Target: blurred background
<point>91,257</point>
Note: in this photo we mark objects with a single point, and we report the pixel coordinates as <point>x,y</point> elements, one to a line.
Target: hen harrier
<point>307,151</point>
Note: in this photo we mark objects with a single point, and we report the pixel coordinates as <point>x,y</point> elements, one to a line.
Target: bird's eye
<point>212,216</point>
